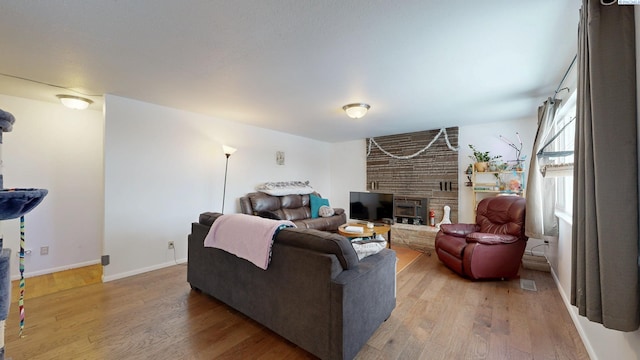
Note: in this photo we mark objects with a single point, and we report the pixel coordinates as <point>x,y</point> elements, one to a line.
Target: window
<point>559,154</point>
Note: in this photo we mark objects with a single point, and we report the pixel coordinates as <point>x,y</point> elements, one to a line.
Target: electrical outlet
<point>44,250</point>
<point>170,245</point>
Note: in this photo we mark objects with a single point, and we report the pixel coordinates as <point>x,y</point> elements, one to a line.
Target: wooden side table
<point>366,232</point>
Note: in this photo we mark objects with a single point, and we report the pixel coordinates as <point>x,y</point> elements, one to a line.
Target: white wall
<point>163,167</point>
<point>58,149</point>
<point>349,171</point>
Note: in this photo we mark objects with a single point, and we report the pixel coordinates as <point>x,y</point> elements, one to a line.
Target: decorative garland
<point>442,130</point>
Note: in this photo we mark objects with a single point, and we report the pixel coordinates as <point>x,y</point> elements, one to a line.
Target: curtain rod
<point>565,75</point>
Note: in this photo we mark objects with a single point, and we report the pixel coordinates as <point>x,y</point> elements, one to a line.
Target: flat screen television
<point>371,207</point>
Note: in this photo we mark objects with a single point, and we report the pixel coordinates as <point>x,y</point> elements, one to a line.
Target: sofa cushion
<point>291,201</point>
<point>320,241</point>
<point>295,214</point>
<point>491,239</point>
<point>264,202</point>
<point>459,230</point>
<point>316,202</point>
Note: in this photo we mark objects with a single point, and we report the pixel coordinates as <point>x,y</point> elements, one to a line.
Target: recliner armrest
<point>491,239</point>
<point>459,230</point>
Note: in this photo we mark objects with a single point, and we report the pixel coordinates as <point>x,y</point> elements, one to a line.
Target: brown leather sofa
<point>492,247</point>
<point>290,207</point>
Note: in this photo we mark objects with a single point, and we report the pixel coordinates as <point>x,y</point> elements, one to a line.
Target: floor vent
<point>526,284</point>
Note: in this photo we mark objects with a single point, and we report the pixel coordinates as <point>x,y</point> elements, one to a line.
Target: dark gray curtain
<point>540,221</point>
<point>604,283</point>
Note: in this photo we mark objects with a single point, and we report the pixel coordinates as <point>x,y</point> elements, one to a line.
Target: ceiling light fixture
<point>357,110</point>
<point>74,102</point>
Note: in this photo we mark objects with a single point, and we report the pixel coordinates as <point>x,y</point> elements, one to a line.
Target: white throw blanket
<point>246,236</point>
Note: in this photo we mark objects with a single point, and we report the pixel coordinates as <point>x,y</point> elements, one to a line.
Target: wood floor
<point>156,316</point>
<point>58,281</point>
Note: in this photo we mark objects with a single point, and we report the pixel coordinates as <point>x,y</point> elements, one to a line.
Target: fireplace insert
<point>410,210</point>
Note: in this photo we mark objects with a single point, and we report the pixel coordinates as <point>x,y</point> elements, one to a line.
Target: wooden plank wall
<point>419,176</point>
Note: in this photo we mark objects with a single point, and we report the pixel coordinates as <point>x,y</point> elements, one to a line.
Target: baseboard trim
<point>535,262</point>
<point>142,270</point>
<point>574,317</point>
<point>56,269</point>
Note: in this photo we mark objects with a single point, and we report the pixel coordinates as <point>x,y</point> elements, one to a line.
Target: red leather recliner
<point>492,247</point>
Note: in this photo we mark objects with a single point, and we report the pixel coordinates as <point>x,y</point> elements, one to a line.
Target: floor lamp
<point>228,150</point>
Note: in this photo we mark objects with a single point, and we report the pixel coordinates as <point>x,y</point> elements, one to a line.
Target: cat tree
<point>14,203</point>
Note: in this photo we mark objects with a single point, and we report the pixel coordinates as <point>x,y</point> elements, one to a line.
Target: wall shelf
<point>488,183</point>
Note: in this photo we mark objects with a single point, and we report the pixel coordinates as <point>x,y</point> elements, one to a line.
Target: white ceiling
<point>290,65</point>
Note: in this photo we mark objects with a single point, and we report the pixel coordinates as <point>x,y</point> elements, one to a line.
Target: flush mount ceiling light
<point>356,111</point>
<point>74,102</point>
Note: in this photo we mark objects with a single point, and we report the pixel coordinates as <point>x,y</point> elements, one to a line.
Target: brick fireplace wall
<point>426,175</point>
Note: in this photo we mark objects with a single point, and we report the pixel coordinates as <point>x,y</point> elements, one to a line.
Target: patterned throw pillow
<point>325,211</point>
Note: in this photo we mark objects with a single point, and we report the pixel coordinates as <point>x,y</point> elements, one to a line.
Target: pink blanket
<point>246,236</point>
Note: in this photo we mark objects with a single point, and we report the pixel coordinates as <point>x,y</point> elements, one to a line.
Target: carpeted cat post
<point>14,203</point>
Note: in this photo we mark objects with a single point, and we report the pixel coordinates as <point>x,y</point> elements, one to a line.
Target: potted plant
<point>481,159</point>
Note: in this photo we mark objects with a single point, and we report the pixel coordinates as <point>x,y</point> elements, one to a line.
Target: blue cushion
<point>316,202</point>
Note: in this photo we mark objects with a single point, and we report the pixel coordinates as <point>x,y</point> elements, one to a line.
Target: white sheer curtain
<point>540,221</point>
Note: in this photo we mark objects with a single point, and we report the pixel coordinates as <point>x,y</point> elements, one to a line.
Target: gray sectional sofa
<point>315,292</point>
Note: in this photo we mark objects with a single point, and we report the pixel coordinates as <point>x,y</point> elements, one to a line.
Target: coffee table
<point>366,232</point>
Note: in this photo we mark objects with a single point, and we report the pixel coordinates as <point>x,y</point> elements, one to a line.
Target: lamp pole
<point>224,189</point>
<point>228,150</point>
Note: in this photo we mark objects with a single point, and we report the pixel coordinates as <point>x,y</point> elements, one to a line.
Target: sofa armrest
<point>245,205</point>
<point>338,211</point>
<point>362,299</point>
<point>207,218</point>
<point>367,265</point>
<point>459,230</point>
<point>491,239</point>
